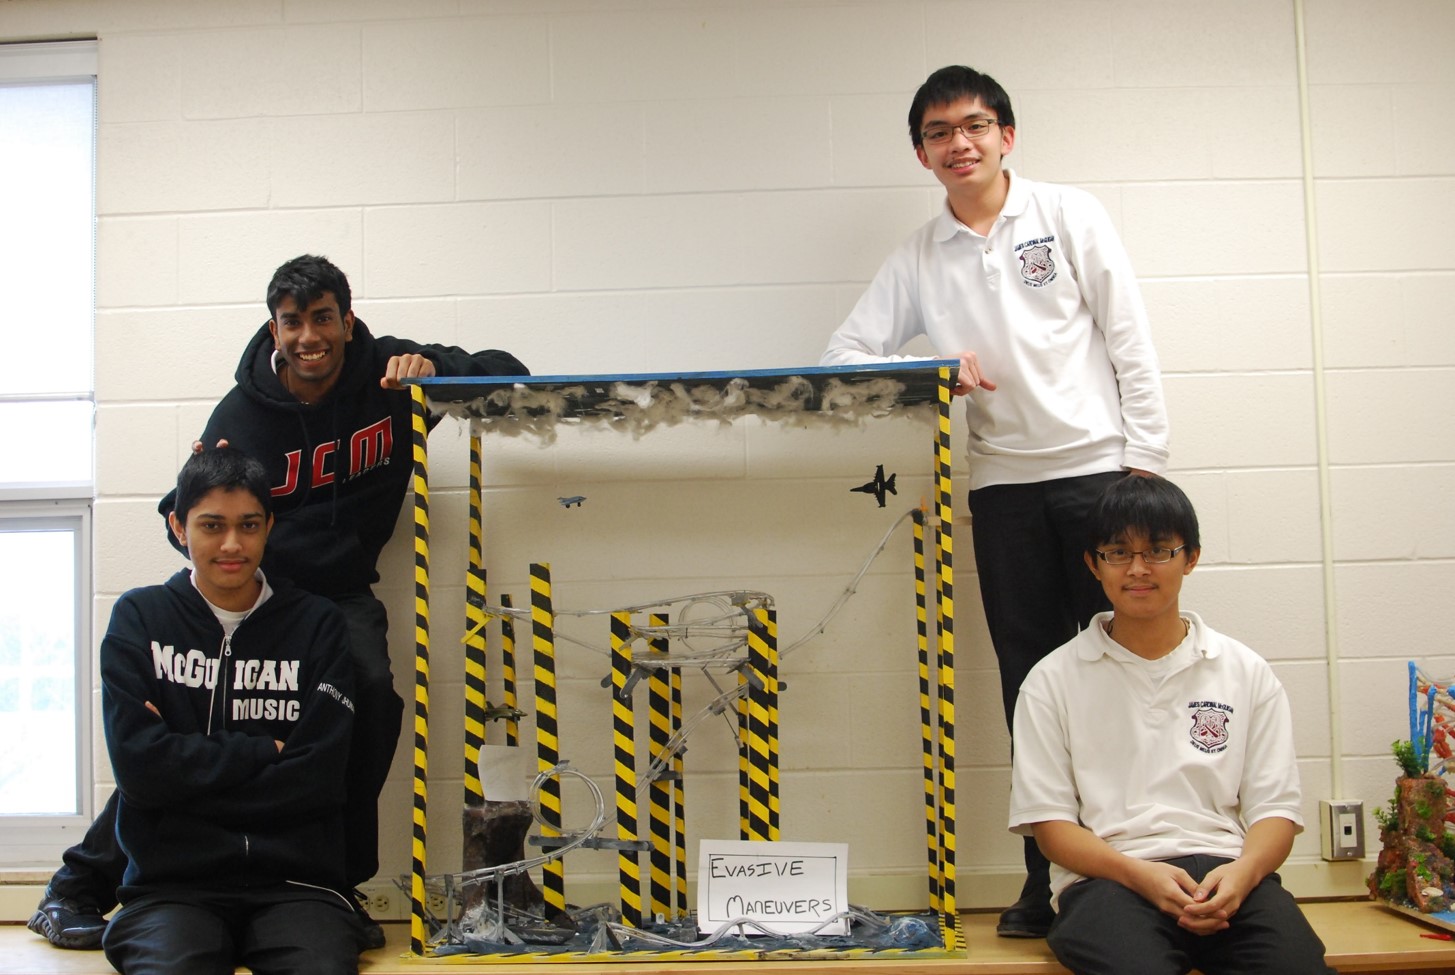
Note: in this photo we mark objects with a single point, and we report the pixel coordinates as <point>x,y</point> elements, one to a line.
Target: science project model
<point>492,908</point>
<point>1415,873</point>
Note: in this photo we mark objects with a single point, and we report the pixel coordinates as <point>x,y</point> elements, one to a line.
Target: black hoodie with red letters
<point>339,468</point>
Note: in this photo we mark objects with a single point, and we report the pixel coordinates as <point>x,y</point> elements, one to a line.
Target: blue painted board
<point>919,380</point>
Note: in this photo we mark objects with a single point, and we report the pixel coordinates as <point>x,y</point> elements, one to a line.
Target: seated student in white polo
<point>1155,767</point>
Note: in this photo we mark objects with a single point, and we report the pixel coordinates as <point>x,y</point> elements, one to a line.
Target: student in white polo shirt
<point>1155,769</point>
<point>1028,285</point>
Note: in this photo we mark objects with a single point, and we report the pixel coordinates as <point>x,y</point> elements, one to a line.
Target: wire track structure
<point>729,637</point>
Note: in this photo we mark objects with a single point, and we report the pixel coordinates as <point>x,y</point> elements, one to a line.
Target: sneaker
<point>371,935</point>
<point>67,924</point>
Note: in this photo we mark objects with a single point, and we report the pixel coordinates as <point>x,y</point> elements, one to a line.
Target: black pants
<point>92,869</point>
<point>1103,928</point>
<point>1029,541</point>
<point>277,930</point>
<point>376,733</point>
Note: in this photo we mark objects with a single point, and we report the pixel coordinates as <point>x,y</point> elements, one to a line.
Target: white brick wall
<point>697,186</point>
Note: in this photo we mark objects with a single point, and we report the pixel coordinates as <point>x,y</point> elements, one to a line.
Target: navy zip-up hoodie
<point>339,468</point>
<point>207,799</point>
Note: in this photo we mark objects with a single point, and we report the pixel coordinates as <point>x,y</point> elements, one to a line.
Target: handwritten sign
<point>787,887</point>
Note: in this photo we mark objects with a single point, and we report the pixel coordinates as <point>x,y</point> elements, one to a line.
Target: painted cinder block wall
<point>641,186</point>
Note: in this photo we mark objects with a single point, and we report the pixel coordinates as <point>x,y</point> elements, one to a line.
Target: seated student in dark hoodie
<point>227,701</point>
<point>319,401</point>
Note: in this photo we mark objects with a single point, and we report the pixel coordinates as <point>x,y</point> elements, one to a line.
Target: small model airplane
<point>879,486</point>
<point>574,499</point>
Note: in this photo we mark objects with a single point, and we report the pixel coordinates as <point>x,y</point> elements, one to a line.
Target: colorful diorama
<point>1415,871</point>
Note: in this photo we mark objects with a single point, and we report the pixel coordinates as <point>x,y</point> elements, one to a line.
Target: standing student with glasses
<point>1028,285</point>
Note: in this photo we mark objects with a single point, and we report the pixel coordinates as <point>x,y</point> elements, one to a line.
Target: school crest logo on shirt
<point>1037,267</point>
<point>1209,732</point>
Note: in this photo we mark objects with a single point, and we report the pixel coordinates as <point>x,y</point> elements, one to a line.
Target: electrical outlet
<point>435,902</point>
<point>385,901</point>
<point>1341,829</point>
<point>382,901</point>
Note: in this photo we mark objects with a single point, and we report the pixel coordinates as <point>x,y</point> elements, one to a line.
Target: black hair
<point>1151,506</point>
<point>220,467</point>
<point>952,84</point>
<point>305,279</point>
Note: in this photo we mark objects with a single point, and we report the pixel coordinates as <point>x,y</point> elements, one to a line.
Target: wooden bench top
<point>1360,937</point>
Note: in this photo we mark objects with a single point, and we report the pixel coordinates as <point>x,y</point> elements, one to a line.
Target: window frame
<point>38,840</point>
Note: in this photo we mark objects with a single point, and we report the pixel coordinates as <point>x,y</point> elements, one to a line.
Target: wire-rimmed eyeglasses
<point>1152,556</point>
<point>975,128</point>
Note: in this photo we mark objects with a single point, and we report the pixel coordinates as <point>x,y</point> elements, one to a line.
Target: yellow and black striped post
<point>659,711</point>
<point>548,742</point>
<point>774,810</point>
<point>679,798</point>
<point>623,737</point>
<point>743,779</point>
<point>926,713</point>
<point>950,922</point>
<point>421,671</point>
<point>760,676</point>
<point>507,672</point>
<point>475,619</point>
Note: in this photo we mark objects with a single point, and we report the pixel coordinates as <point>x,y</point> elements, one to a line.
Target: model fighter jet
<point>878,487</point>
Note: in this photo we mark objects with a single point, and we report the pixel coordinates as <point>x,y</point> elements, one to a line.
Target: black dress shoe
<point>1029,917</point>
<point>371,935</point>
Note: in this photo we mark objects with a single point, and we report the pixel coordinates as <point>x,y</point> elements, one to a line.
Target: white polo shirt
<point>1160,759</point>
<point>1049,303</point>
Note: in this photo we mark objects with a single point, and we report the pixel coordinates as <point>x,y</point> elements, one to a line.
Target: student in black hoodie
<point>319,401</point>
<point>227,703</point>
